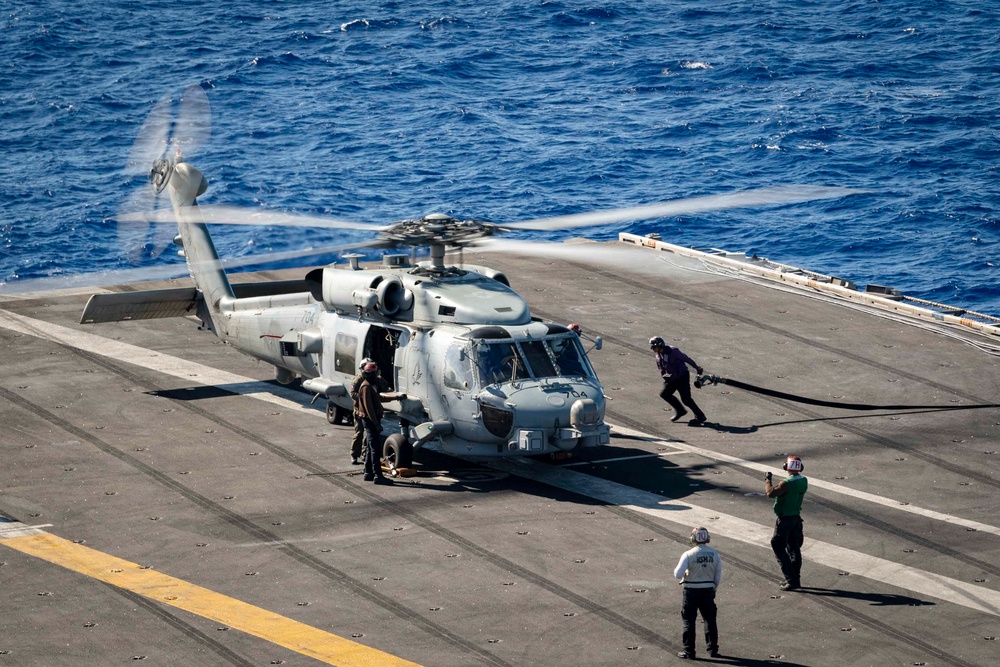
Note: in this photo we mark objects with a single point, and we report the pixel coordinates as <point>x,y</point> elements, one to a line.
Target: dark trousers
<point>373,447</point>
<point>786,542</point>
<point>700,600</point>
<point>682,385</point>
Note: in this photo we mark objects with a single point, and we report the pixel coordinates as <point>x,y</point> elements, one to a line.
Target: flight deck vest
<point>790,504</point>
<point>703,561</point>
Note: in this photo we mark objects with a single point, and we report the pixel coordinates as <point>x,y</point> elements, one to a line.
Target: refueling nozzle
<point>702,380</point>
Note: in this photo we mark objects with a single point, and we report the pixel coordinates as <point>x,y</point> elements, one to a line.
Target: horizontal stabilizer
<point>147,305</point>
<point>173,302</point>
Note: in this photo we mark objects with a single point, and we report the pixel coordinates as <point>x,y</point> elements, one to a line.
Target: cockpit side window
<point>569,356</point>
<point>458,368</point>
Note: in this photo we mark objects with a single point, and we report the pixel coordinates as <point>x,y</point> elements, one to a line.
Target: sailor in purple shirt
<point>672,364</point>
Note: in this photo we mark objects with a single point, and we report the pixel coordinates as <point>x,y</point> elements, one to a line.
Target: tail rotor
<point>172,127</point>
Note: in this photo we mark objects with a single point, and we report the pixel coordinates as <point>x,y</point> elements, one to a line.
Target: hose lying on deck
<point>715,379</point>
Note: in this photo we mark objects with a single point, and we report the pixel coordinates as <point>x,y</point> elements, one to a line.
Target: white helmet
<point>700,536</point>
<point>793,464</point>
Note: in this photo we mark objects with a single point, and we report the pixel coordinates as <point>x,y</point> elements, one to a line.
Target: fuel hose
<point>715,379</point>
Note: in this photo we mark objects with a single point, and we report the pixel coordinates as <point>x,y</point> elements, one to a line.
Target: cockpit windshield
<point>508,361</point>
<point>500,362</point>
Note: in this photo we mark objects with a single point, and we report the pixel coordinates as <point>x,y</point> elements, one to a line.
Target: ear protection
<point>700,536</point>
<point>793,464</point>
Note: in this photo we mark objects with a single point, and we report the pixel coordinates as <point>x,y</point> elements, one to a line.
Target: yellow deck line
<point>305,639</point>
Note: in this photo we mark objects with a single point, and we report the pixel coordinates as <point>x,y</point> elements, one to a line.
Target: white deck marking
<point>164,363</point>
<point>10,528</point>
<point>687,515</point>
<point>815,483</point>
<point>684,514</point>
<point>617,459</point>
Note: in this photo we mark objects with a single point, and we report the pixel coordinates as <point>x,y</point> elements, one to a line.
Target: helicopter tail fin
<point>184,185</point>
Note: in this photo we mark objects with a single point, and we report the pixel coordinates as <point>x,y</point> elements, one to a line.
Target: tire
<point>397,452</point>
<point>335,414</point>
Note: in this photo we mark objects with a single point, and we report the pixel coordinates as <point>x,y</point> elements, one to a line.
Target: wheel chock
<point>399,472</point>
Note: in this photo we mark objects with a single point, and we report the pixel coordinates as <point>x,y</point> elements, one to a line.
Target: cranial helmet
<point>370,368</point>
<point>793,464</point>
<point>365,362</point>
<point>575,328</point>
<point>700,536</point>
<point>656,341</point>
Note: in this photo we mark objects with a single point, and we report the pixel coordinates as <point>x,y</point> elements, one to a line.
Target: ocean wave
<point>510,111</point>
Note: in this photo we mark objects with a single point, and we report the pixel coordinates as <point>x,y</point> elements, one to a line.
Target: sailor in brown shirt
<point>369,407</point>
<point>357,443</point>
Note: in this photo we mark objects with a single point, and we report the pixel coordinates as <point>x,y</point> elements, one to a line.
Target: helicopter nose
<point>543,424</point>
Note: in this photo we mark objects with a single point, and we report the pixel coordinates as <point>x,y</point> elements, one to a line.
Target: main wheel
<point>397,452</point>
<point>335,414</point>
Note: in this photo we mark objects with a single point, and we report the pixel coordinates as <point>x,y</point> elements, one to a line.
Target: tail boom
<point>185,184</point>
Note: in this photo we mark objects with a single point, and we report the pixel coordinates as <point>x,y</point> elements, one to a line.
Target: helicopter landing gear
<point>337,415</point>
<point>397,455</point>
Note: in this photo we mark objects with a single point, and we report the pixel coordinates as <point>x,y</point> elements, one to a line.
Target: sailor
<point>786,542</point>
<point>672,364</point>
<point>369,407</point>
<point>357,444</point>
<point>700,571</point>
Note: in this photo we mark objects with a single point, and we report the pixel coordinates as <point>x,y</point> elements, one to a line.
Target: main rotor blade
<point>618,257</point>
<point>787,194</point>
<point>235,215</point>
<point>151,273</point>
<point>581,251</point>
<point>284,256</point>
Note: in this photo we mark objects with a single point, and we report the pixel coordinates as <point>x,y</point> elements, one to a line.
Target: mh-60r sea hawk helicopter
<point>478,374</point>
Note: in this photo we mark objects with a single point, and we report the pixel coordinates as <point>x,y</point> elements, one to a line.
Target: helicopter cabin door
<point>380,344</point>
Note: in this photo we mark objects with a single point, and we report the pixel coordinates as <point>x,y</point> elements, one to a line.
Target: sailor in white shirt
<point>700,571</point>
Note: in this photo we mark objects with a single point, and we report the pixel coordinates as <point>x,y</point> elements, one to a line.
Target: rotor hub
<point>438,229</point>
<point>160,173</point>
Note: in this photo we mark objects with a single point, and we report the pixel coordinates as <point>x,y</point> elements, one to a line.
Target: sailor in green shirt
<point>786,542</point>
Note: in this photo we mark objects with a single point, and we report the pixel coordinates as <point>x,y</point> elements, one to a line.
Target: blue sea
<point>513,110</point>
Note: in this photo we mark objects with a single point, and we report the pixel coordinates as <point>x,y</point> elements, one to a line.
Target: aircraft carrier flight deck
<point>163,501</point>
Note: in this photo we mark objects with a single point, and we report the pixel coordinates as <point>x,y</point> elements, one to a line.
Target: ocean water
<point>512,110</point>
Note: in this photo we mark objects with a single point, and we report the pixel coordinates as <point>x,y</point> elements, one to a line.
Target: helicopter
<point>469,367</point>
